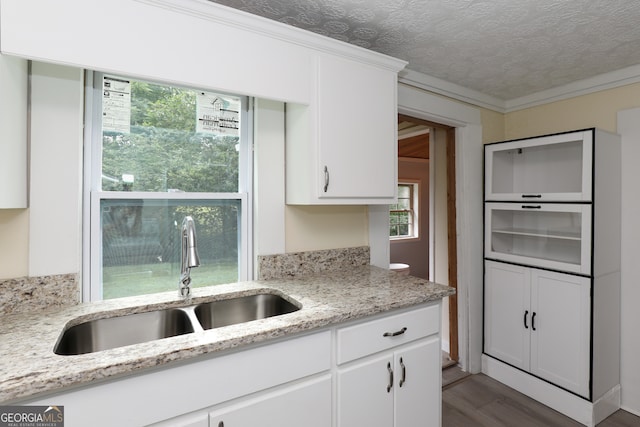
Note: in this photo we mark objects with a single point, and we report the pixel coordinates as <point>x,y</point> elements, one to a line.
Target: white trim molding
<point>421,104</point>
<point>450,90</point>
<point>597,83</point>
<point>613,79</point>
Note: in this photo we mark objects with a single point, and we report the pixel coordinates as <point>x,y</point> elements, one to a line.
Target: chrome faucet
<point>189,257</point>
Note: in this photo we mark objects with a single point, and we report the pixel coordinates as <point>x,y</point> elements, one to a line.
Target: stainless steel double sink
<point>111,332</point>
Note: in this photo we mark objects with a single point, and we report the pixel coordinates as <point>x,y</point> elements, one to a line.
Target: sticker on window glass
<point>217,115</point>
<point>116,105</point>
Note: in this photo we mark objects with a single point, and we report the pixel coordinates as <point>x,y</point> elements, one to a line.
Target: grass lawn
<point>129,280</point>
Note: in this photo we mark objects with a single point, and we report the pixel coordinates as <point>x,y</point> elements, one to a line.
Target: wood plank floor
<point>480,401</point>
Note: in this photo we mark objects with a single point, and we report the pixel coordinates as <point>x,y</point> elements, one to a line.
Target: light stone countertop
<point>28,365</point>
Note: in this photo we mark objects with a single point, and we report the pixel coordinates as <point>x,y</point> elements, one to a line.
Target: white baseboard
<point>607,404</point>
<point>577,408</point>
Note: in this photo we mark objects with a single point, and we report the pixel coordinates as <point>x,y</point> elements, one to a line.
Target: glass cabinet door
<point>551,168</point>
<point>548,235</point>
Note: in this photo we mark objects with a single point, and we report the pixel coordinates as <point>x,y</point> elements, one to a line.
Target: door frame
<point>452,274</point>
<point>466,121</point>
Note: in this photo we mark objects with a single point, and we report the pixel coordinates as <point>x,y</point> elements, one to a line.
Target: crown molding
<point>225,15</point>
<point>613,79</point>
<point>451,90</point>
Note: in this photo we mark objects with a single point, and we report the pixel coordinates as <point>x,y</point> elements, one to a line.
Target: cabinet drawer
<point>370,337</point>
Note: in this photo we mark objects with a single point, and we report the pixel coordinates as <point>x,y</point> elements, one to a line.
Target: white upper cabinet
<point>343,148</point>
<point>341,99</point>
<point>13,132</point>
<point>550,168</point>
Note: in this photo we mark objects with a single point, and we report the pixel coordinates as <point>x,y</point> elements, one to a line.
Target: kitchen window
<point>157,154</point>
<point>404,214</point>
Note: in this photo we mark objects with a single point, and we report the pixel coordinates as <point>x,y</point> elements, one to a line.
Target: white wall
<point>629,129</point>
<point>55,214</point>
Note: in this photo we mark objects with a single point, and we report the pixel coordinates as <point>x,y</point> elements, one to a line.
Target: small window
<point>403,215</point>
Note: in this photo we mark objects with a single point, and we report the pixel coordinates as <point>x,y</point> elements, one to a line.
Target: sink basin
<point>220,313</point>
<point>112,332</point>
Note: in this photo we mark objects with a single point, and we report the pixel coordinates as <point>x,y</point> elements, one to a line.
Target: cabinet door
<point>13,132</point>
<point>365,393</point>
<point>548,168</point>
<point>418,385</point>
<point>307,404</point>
<point>560,329</point>
<point>548,235</point>
<point>356,130</point>
<point>507,319</point>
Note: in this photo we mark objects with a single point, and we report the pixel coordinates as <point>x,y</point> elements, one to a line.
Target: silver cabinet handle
<point>404,373</point>
<point>326,179</point>
<point>395,334</point>
<point>390,385</point>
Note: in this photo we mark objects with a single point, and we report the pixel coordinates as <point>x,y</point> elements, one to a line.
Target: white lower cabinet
<point>308,404</point>
<point>399,386</point>
<point>539,321</point>
<point>395,389</point>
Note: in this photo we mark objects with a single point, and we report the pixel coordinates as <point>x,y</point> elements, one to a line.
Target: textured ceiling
<point>503,48</point>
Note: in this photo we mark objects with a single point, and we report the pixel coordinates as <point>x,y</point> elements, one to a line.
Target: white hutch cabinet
<point>552,270</point>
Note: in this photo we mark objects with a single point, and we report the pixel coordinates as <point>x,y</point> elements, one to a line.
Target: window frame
<point>413,211</point>
<point>93,194</point>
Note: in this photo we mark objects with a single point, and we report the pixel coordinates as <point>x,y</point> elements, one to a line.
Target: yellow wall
<point>492,126</point>
<point>325,227</point>
<point>14,243</point>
